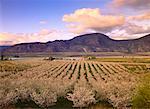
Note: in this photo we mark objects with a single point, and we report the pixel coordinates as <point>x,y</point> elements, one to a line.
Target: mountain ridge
<point>94,42</point>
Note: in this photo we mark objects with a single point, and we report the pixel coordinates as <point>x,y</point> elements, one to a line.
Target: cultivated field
<point>80,81</point>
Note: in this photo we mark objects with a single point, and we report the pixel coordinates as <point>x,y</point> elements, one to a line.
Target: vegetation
<point>81,82</point>
<point>9,66</point>
<point>90,57</point>
<point>82,96</point>
<point>2,57</point>
<point>142,96</point>
<point>130,59</point>
<point>137,68</point>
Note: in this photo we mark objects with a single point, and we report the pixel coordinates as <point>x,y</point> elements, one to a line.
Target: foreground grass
<point>142,97</point>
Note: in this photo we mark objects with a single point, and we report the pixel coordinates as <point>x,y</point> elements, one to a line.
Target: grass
<point>11,66</point>
<point>142,97</point>
<point>137,68</point>
<point>125,59</point>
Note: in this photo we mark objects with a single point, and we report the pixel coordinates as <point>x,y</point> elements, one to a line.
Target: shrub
<point>117,93</point>
<point>42,92</point>
<point>82,97</point>
<point>44,98</point>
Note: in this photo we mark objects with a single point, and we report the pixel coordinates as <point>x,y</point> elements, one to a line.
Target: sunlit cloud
<point>89,20</point>
<point>46,32</point>
<point>132,28</point>
<point>129,30</point>
<point>118,34</point>
<point>134,4</point>
<point>143,16</point>
<point>92,19</point>
<point>41,36</point>
<point>6,43</point>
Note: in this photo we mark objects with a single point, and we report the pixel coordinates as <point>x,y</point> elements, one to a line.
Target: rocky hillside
<point>95,42</point>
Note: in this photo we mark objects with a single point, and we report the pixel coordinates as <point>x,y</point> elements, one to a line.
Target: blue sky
<point>48,20</point>
<point>25,15</point>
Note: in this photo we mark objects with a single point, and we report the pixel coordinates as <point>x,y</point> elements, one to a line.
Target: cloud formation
<point>43,36</point>
<point>123,35</point>
<point>45,32</point>
<point>144,16</point>
<point>88,20</point>
<point>134,4</point>
<point>132,28</point>
<point>129,30</point>
<point>92,19</point>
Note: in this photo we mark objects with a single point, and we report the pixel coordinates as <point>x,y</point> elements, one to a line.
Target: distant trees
<point>51,58</point>
<point>129,51</point>
<point>2,55</point>
<point>90,57</point>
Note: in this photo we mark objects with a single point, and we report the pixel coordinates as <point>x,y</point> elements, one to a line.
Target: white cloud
<point>132,28</point>
<point>88,20</point>
<point>46,32</point>
<point>129,31</point>
<point>123,35</point>
<point>91,19</point>
<point>141,17</point>
<point>42,36</point>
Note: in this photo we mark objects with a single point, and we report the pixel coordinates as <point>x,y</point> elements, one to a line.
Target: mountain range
<point>94,42</point>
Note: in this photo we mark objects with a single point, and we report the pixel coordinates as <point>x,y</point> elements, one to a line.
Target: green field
<point>127,59</point>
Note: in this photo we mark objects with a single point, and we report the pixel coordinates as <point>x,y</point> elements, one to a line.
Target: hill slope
<point>3,47</point>
<point>94,42</point>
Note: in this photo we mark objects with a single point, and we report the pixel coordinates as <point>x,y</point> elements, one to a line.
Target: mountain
<point>3,47</point>
<point>95,42</point>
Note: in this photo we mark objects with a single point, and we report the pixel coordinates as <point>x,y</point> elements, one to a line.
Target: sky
<point>24,21</point>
